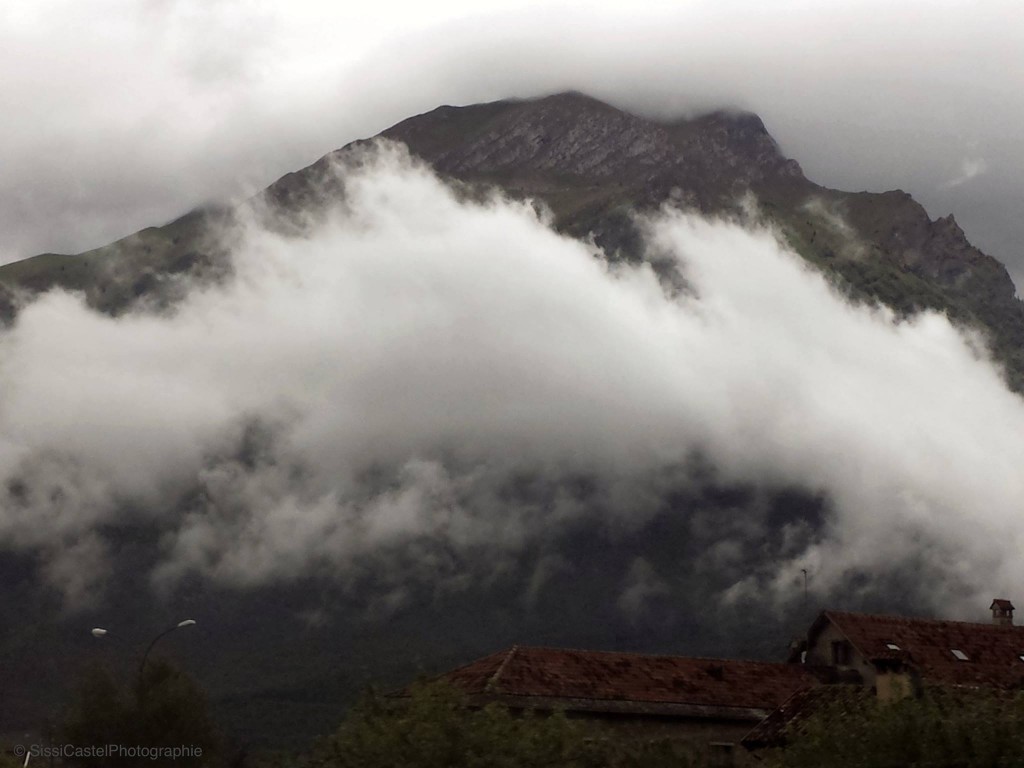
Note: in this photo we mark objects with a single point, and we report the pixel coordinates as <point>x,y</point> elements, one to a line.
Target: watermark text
<point>107,751</point>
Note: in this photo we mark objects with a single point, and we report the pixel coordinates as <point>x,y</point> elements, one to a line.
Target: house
<point>878,649</point>
<point>883,657</point>
<point>710,702</point>
<point>720,704</point>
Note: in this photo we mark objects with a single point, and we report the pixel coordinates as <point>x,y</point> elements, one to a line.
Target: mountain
<point>282,679</point>
<point>593,164</point>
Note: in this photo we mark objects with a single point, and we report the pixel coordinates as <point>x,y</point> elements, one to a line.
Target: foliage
<point>943,728</point>
<point>168,711</point>
<point>435,728</point>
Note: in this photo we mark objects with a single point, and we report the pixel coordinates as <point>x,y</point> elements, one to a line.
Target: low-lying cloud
<point>445,383</point>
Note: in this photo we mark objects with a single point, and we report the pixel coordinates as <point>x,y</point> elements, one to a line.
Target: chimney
<point>1002,612</point>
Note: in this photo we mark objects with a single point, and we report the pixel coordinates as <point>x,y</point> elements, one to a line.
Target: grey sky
<point>123,114</point>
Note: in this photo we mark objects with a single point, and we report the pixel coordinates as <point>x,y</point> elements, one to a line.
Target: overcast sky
<point>120,114</point>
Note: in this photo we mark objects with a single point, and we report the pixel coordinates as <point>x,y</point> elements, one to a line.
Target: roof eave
<point>622,707</point>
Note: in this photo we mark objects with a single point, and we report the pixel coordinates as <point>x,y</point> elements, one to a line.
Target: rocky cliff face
<point>593,165</point>
<point>587,159</point>
<point>571,135</point>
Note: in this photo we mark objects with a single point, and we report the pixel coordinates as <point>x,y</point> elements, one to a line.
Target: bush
<point>436,728</point>
<point>169,711</point>
<point>943,728</point>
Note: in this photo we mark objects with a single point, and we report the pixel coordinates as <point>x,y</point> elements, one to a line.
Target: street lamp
<point>101,632</point>
<point>145,656</point>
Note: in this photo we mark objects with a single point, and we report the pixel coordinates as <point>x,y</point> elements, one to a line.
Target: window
<point>960,654</point>
<point>840,653</point>
<point>721,755</point>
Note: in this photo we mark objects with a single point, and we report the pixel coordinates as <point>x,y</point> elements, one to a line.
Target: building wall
<point>894,685</point>
<point>703,736</point>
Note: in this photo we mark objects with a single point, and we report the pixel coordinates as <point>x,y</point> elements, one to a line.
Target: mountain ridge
<point>878,247</point>
<point>594,165</point>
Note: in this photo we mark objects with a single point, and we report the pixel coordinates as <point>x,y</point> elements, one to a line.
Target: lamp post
<point>155,640</point>
<point>101,632</point>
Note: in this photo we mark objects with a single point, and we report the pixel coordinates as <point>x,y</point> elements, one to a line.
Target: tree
<point>169,712</point>
<point>942,728</point>
<point>434,727</point>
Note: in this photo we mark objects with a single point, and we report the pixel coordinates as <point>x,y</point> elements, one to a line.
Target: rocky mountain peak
<point>575,135</point>
<point>566,134</point>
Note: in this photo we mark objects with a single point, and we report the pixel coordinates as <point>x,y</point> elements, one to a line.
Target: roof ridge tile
<point>492,683</point>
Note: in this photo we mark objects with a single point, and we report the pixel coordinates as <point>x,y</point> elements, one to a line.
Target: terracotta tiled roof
<point>579,679</point>
<point>993,652</point>
<point>1005,605</point>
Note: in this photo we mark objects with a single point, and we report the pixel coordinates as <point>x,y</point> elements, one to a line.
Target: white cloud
<point>970,168</point>
<point>377,387</point>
